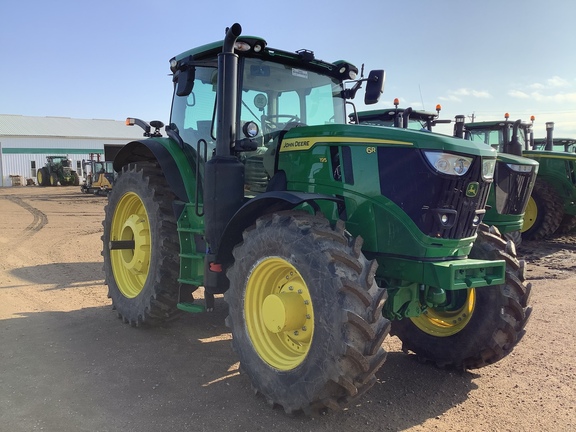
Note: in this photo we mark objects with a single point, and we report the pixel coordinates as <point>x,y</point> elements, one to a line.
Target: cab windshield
<point>273,95</point>
<point>495,137</point>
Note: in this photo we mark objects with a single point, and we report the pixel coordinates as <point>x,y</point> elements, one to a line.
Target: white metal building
<point>26,141</point>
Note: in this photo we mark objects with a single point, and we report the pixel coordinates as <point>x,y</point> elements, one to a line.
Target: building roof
<point>26,126</point>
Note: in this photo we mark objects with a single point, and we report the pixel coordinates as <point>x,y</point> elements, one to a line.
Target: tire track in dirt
<point>40,219</point>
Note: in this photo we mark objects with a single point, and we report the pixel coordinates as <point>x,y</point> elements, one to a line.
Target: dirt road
<point>67,363</point>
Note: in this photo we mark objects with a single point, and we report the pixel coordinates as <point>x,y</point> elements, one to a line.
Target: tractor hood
<point>304,138</point>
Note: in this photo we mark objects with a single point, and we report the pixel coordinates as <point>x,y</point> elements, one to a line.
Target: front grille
<point>426,195</point>
<point>512,189</point>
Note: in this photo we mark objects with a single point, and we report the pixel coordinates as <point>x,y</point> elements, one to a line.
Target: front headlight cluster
<point>448,163</point>
<point>488,166</point>
<point>520,168</point>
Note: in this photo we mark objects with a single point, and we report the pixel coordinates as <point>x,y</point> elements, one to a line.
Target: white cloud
<point>536,86</point>
<point>518,94</point>
<point>557,98</point>
<point>450,98</point>
<point>556,81</point>
<point>455,95</point>
<point>551,83</point>
<point>481,94</point>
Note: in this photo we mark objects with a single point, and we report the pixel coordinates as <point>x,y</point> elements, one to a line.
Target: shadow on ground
<point>85,371</point>
<point>62,275</point>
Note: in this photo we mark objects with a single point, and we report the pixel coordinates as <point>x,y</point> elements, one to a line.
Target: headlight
<point>242,46</point>
<point>520,168</point>
<point>448,163</point>
<point>250,129</point>
<point>488,166</point>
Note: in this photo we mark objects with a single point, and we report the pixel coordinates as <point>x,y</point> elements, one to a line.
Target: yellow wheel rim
<point>279,313</point>
<point>40,178</point>
<point>530,215</point>
<point>130,266</point>
<point>447,323</point>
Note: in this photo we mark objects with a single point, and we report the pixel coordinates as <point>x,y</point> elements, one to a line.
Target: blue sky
<point>109,59</point>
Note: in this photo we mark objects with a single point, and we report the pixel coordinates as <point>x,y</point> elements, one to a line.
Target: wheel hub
<point>130,264</point>
<point>285,311</point>
<point>447,322</point>
<point>279,313</point>
<point>136,260</point>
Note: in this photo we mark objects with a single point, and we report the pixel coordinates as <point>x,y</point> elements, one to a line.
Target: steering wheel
<point>271,122</point>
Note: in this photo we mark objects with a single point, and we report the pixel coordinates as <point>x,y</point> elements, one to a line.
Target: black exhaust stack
<point>224,173</point>
<point>514,147</point>
<point>549,136</point>
<point>459,126</point>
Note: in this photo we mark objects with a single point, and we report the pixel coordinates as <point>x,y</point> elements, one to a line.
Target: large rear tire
<point>142,278</point>
<point>486,325</point>
<point>544,212</point>
<point>305,313</point>
<point>43,177</point>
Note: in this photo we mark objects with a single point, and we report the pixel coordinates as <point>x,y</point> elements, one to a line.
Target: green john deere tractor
<point>58,170</point>
<point>514,176</point>
<point>321,234</point>
<point>407,118</point>
<point>567,145</point>
<point>552,209</point>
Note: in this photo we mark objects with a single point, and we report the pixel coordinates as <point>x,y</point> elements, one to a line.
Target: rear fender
<point>177,163</point>
<point>262,204</point>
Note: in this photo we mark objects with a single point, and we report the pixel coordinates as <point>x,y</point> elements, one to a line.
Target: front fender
<point>177,163</point>
<point>262,204</point>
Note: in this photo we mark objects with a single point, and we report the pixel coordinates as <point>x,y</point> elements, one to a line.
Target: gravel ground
<point>67,363</point>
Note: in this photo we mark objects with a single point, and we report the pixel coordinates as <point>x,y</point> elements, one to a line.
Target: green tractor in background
<point>552,209</point>
<point>58,170</point>
<point>552,204</point>
<point>406,118</point>
<point>514,175</point>
<point>322,235</point>
<point>567,145</point>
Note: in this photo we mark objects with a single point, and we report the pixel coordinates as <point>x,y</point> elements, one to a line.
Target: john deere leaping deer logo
<point>472,189</point>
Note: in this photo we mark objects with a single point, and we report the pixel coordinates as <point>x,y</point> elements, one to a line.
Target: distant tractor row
<point>98,175</point>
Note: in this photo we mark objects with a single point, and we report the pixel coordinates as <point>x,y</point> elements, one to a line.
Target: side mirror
<point>185,82</point>
<point>374,86</point>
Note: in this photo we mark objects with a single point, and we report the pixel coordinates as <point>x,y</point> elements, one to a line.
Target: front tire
<point>142,278</point>
<point>544,212</point>
<point>305,313</point>
<point>486,325</point>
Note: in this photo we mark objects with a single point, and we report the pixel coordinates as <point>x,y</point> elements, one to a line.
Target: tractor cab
<point>505,136</point>
<point>558,144</point>
<point>515,175</point>
<point>407,118</point>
